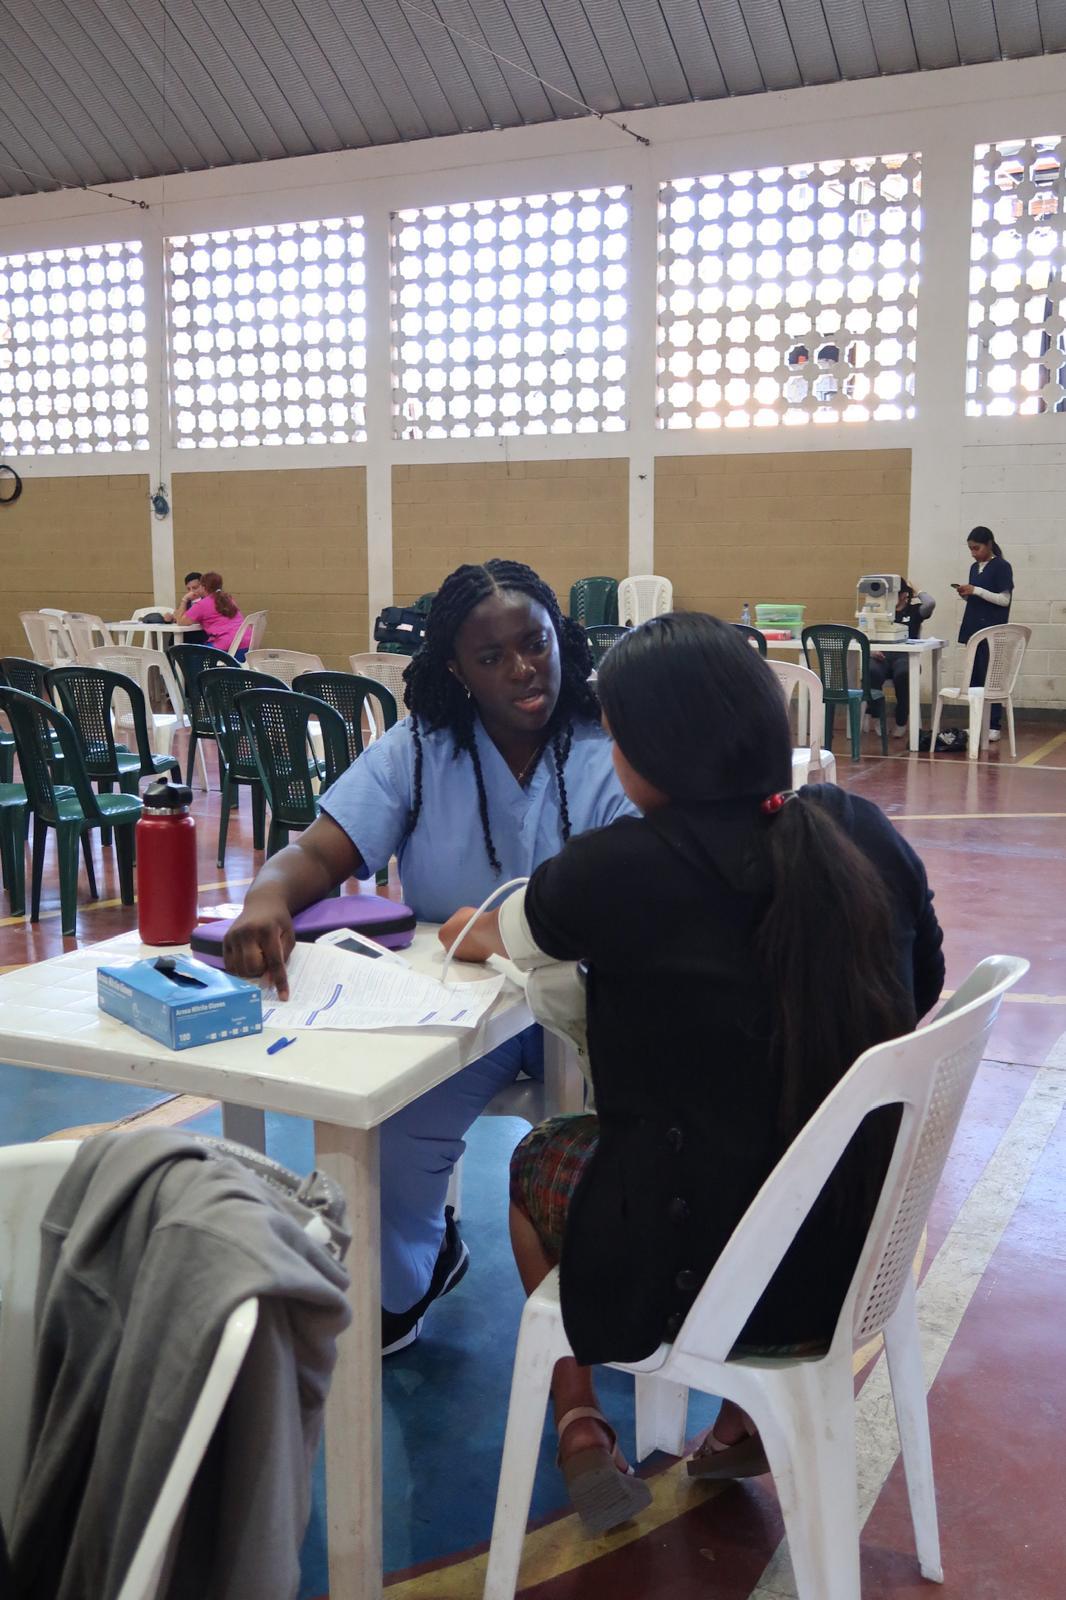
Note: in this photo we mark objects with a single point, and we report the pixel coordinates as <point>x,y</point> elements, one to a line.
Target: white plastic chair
<point>257,622</point>
<point>47,637</point>
<point>792,676</point>
<point>137,662</point>
<point>1006,650</point>
<point>29,1175</point>
<point>644,597</point>
<point>383,667</point>
<point>284,664</point>
<point>804,1409</point>
<point>85,632</point>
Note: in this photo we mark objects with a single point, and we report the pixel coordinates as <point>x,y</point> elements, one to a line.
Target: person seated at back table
<point>193,591</point>
<point>913,607</point>
<point>218,614</point>
<point>501,760</point>
<point>744,945</point>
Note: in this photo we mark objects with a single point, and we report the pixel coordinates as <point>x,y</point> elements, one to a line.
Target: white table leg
<point>803,716</point>
<point>244,1125</point>
<point>914,684</point>
<point>353,1411</point>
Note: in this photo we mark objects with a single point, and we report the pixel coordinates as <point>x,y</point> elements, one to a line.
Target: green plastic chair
<point>601,636</point>
<point>73,810</point>
<point>7,757</point>
<point>832,643</point>
<point>13,809</point>
<point>189,661</point>
<point>594,600</point>
<point>348,693</point>
<point>754,636</point>
<point>86,695</point>
<point>278,726</point>
<point>19,672</point>
<point>236,757</point>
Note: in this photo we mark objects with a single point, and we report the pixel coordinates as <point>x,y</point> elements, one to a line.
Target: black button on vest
<point>678,1211</point>
<point>688,1280</point>
<point>675,1139</point>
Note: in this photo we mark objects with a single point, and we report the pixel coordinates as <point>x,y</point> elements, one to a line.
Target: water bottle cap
<point>164,796</point>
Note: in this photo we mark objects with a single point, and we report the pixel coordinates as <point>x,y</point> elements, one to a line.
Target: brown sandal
<point>603,1491</point>
<point>745,1458</point>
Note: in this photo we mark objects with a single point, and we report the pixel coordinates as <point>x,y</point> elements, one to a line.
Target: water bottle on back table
<point>745,615</point>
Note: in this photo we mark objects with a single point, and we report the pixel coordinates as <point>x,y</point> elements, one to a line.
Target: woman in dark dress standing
<point>988,593</point>
<point>744,946</point>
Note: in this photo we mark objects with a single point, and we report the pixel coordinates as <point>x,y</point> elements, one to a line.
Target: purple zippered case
<point>387,922</point>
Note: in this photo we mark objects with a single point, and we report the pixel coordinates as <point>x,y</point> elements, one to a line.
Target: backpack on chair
<point>401,629</point>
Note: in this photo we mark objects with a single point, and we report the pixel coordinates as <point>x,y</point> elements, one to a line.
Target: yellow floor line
<point>1044,750</point>
<point>973,816</point>
<point>107,905</point>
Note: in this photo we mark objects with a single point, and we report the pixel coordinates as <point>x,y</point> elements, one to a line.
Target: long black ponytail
<point>698,713</point>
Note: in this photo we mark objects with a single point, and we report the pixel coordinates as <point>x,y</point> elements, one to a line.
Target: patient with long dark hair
<point>744,945</point>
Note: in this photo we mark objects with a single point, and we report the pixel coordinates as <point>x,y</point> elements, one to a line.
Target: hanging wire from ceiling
<point>71,188</point>
<point>479,44</point>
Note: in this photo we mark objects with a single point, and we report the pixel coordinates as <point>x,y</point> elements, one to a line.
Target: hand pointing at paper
<point>260,941</point>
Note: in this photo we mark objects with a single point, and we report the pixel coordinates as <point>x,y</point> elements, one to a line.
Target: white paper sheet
<point>330,988</point>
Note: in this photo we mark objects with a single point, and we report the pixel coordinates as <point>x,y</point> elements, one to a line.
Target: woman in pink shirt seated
<point>217,614</point>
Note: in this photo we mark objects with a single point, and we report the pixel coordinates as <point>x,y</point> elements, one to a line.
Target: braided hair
<point>436,698</point>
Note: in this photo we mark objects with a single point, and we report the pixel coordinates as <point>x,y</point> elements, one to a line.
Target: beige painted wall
<point>567,519</point>
<point>800,528</point>
<point>78,543</point>
<point>291,541</point>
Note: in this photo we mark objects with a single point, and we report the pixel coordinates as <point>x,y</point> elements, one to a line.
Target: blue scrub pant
<point>419,1147</point>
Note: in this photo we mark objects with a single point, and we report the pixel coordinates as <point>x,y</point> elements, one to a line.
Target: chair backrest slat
<point>385,668</point>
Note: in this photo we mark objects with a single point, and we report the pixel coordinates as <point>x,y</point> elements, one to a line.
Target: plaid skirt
<point>546,1169</point>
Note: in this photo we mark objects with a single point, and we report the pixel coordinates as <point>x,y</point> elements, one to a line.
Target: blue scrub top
<point>444,863</point>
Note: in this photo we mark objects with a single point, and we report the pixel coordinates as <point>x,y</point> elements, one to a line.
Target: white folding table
<point>174,632</point>
<point>348,1084</point>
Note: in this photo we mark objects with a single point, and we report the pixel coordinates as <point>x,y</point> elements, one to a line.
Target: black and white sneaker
<point>401,1328</point>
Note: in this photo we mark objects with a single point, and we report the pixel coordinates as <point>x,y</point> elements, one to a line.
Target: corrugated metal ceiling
<point>99,91</point>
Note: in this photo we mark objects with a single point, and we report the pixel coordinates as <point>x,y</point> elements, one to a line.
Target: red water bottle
<point>166,865</point>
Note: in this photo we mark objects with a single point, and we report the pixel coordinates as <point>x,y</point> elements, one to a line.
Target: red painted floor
<point>991,834</point>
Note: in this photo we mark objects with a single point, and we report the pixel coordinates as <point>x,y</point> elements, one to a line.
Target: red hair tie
<point>774,802</point>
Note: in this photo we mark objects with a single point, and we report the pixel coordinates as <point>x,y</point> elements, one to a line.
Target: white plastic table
<point>348,1084</point>
<point>123,632</point>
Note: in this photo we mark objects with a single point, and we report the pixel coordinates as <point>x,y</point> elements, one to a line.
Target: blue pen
<point>279,1044</point>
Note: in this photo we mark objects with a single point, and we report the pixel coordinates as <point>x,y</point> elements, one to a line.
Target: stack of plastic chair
<point>41,635</point>
<point>803,1408</point>
<point>277,722</point>
<point>1006,645</point>
<point>594,600</point>
<point>189,661</point>
<point>383,667</point>
<point>236,757</point>
<point>72,810</point>
<point>792,676</point>
<point>642,598</point>
<point>832,644</point>
<point>284,664</point>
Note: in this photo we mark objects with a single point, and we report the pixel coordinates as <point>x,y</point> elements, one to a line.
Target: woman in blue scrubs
<point>501,760</point>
